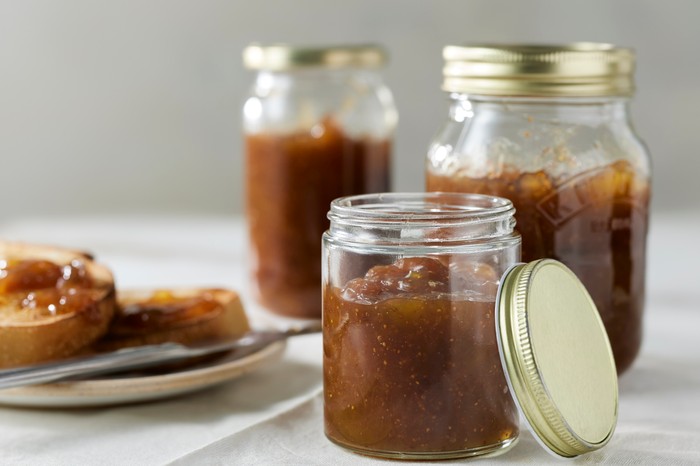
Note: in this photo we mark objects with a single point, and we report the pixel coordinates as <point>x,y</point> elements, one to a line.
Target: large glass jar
<point>548,127</point>
<point>411,361</point>
<point>318,125</point>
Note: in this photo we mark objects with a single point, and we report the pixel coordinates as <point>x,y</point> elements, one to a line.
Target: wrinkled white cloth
<point>659,420</point>
<point>274,415</point>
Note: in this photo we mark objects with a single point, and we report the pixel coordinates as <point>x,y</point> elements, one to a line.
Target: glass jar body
<point>411,363</point>
<point>579,178</point>
<point>311,135</point>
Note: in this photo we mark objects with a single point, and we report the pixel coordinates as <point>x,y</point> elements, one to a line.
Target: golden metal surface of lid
<point>557,357</point>
<point>583,69</point>
<point>278,57</point>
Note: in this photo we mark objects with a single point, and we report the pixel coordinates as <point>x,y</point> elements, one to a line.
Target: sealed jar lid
<point>557,358</point>
<point>583,69</point>
<point>278,57</point>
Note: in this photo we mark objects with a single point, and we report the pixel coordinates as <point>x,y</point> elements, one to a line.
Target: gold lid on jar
<point>557,357</point>
<point>583,69</point>
<point>279,57</point>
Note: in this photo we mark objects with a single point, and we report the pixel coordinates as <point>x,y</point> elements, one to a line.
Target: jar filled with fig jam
<point>411,361</point>
<point>548,127</point>
<point>318,125</point>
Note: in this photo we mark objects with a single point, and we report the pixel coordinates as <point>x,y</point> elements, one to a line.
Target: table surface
<point>273,415</point>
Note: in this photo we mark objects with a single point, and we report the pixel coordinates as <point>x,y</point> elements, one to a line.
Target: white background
<point>133,106</point>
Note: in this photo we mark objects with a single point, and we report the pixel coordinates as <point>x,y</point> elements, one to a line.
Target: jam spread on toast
<point>163,310</point>
<point>44,288</point>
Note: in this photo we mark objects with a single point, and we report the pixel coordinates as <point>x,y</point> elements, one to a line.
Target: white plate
<point>131,389</point>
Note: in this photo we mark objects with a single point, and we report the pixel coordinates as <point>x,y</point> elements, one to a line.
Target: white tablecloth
<point>273,416</point>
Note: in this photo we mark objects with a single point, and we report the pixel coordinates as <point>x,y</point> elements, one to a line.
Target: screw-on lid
<point>278,57</point>
<point>557,357</point>
<point>583,69</point>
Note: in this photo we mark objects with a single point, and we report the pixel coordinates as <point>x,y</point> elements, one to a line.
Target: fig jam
<point>162,311</point>
<point>28,274</point>
<point>42,288</point>
<point>412,366</point>
<point>291,181</point>
<point>594,222</point>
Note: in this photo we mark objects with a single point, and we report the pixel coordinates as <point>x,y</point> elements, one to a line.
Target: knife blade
<point>140,357</point>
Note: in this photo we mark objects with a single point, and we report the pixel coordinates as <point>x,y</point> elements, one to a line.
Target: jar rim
<point>420,208</point>
<point>285,57</point>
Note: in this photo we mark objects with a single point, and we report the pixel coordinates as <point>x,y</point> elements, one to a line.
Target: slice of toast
<point>54,303</point>
<point>187,316</point>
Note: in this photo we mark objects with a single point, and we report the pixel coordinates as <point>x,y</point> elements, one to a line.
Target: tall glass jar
<point>411,362</point>
<point>318,125</point>
<point>548,127</point>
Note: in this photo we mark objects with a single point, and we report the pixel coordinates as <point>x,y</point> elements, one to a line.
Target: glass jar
<point>318,125</point>
<point>548,127</point>
<point>411,361</point>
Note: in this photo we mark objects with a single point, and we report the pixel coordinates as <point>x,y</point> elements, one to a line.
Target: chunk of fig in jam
<point>44,288</point>
<point>29,274</point>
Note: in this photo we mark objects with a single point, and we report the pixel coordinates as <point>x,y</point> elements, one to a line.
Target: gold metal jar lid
<point>278,57</point>
<point>557,357</point>
<point>583,69</point>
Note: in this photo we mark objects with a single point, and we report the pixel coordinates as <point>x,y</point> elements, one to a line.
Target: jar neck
<point>421,219</point>
<point>293,101</point>
<point>565,109</point>
<point>314,76</point>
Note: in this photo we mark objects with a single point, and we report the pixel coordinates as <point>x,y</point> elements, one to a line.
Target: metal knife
<point>140,357</point>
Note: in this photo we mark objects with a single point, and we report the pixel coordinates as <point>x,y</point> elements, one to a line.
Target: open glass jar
<point>435,338</point>
<point>548,127</point>
<point>411,363</point>
<point>318,125</point>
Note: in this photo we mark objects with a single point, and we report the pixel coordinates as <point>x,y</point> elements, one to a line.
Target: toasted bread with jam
<point>54,303</point>
<point>184,316</point>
